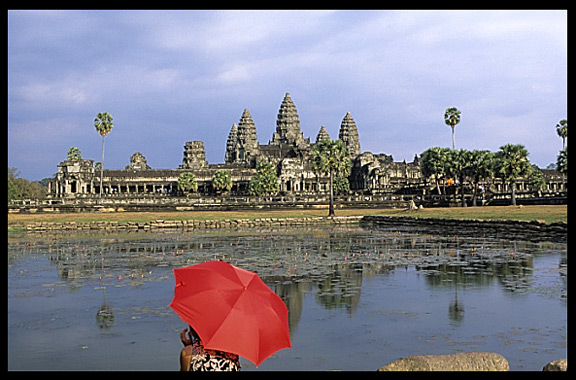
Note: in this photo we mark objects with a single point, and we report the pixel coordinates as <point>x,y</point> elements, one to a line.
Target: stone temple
<point>289,150</point>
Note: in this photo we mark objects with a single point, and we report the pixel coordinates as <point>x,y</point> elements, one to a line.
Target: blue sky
<point>168,77</point>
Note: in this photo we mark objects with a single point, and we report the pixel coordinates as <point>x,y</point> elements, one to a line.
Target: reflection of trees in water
<point>330,261</point>
<point>340,289</point>
<point>512,270</point>
<point>105,314</point>
<point>456,308</point>
<point>292,293</point>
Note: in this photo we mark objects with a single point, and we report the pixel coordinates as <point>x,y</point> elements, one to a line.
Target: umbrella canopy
<point>231,309</point>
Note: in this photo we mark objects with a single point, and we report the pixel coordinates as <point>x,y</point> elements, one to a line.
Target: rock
<point>467,361</point>
<point>556,365</point>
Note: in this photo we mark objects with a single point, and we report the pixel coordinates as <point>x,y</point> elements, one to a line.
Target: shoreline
<point>535,231</point>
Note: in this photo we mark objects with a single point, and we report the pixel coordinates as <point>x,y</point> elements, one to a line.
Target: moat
<point>359,297</point>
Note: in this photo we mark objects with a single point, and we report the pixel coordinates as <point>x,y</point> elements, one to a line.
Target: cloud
<point>43,93</point>
<point>189,75</point>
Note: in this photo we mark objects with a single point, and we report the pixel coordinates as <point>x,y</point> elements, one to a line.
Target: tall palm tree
<point>331,157</point>
<point>103,124</point>
<point>562,162</point>
<point>461,160</point>
<point>481,166</point>
<point>562,130</point>
<point>452,118</point>
<point>511,164</point>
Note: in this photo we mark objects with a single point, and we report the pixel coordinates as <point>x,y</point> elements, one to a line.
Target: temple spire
<point>322,135</point>
<point>349,134</point>
<point>231,143</point>
<point>247,141</point>
<point>287,123</point>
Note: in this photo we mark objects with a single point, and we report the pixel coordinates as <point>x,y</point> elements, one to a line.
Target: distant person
<point>194,357</point>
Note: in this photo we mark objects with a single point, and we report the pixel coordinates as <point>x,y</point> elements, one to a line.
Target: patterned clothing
<point>203,359</point>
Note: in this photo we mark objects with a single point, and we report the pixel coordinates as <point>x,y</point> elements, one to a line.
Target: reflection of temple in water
<point>328,263</point>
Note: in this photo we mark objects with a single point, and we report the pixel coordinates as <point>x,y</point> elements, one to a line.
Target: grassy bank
<point>548,214</point>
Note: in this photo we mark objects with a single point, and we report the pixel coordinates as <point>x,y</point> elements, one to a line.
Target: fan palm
<point>434,162</point>
<point>103,124</point>
<point>74,154</point>
<point>331,157</point>
<point>187,182</point>
<point>562,130</point>
<point>481,166</point>
<point>452,118</point>
<point>511,164</point>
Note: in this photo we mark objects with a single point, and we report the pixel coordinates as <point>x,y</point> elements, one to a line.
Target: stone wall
<point>114,226</point>
<point>149,203</point>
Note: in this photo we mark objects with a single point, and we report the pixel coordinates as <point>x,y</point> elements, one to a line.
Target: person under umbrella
<point>194,357</point>
<point>230,311</point>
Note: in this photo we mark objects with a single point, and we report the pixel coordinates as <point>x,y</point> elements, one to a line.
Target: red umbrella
<point>231,309</point>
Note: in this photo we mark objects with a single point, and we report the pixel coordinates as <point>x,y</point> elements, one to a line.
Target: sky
<point>168,77</point>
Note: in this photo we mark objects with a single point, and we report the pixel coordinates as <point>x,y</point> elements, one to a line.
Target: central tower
<point>287,124</point>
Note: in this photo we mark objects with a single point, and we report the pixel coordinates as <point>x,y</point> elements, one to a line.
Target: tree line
<point>509,164</point>
<point>20,188</point>
<point>456,167</point>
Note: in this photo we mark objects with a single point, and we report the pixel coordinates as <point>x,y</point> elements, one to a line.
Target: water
<point>358,298</point>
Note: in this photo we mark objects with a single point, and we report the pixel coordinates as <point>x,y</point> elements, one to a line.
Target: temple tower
<point>349,134</point>
<point>194,156</point>
<point>247,141</point>
<point>138,162</point>
<point>322,135</point>
<point>287,124</point>
<point>231,143</point>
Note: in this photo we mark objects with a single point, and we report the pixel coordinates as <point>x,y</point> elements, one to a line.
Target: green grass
<point>547,214</point>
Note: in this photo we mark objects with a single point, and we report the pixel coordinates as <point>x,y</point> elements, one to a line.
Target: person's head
<point>193,334</point>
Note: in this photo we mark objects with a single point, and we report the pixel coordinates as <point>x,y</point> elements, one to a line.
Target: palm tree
<point>434,162</point>
<point>222,181</point>
<point>460,166</point>
<point>511,164</point>
<point>103,124</point>
<point>481,166</point>
<point>452,118</point>
<point>562,162</point>
<point>74,154</point>
<point>536,179</point>
<point>187,182</point>
<point>331,157</point>
<point>562,130</point>
<point>265,182</point>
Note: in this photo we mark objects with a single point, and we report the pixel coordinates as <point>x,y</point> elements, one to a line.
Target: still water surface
<point>358,297</point>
